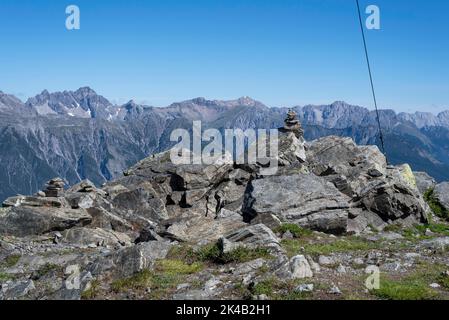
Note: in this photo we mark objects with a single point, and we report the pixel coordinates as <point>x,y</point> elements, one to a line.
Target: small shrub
<point>266,287</point>
<point>212,253</point>
<point>46,269</point>
<point>443,280</point>
<point>437,208</point>
<point>238,255</point>
<point>393,228</point>
<point>294,229</point>
<point>138,281</point>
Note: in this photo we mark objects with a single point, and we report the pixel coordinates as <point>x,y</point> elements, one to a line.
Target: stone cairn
<point>54,188</point>
<point>292,124</point>
<point>86,187</point>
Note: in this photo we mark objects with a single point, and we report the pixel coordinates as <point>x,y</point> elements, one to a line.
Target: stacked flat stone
<point>291,123</point>
<point>54,188</point>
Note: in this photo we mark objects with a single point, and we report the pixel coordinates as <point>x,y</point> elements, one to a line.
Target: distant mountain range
<point>80,134</point>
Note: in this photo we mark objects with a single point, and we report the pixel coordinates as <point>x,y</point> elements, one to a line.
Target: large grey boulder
<point>297,267</point>
<point>23,221</point>
<point>424,181</point>
<point>141,201</point>
<point>252,236</point>
<point>396,198</point>
<point>101,218</point>
<point>131,260</point>
<point>349,166</point>
<point>202,229</point>
<point>96,236</point>
<point>441,192</point>
<point>304,199</point>
<point>437,244</point>
<point>300,267</point>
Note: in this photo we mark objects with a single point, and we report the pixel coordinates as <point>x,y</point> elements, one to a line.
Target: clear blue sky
<point>281,52</point>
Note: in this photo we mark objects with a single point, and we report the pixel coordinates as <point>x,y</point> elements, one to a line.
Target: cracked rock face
<point>303,199</point>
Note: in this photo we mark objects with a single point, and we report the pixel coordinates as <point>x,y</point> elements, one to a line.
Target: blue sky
<point>281,52</point>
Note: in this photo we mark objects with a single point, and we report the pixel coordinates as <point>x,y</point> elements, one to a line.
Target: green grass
<point>418,232</point>
<point>415,285</point>
<point>277,289</point>
<point>439,228</point>
<point>294,229</point>
<point>293,247</point>
<point>160,285</point>
<point>138,281</point>
<point>437,208</point>
<point>92,292</point>
<point>167,274</point>
<point>393,228</point>
<point>177,267</point>
<point>404,289</point>
<point>5,276</point>
<point>10,261</point>
<point>212,254</point>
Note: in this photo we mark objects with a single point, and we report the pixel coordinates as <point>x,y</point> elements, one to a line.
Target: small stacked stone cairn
<point>291,123</point>
<point>86,186</point>
<point>54,188</point>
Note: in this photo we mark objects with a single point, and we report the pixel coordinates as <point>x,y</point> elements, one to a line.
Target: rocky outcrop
<point>303,199</point>
<point>330,185</point>
<point>361,172</point>
<point>23,221</point>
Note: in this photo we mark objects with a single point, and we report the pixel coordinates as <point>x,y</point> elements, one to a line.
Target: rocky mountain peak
<point>247,101</point>
<point>130,104</point>
<point>9,102</point>
<point>82,103</point>
<point>200,101</point>
<point>85,92</point>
